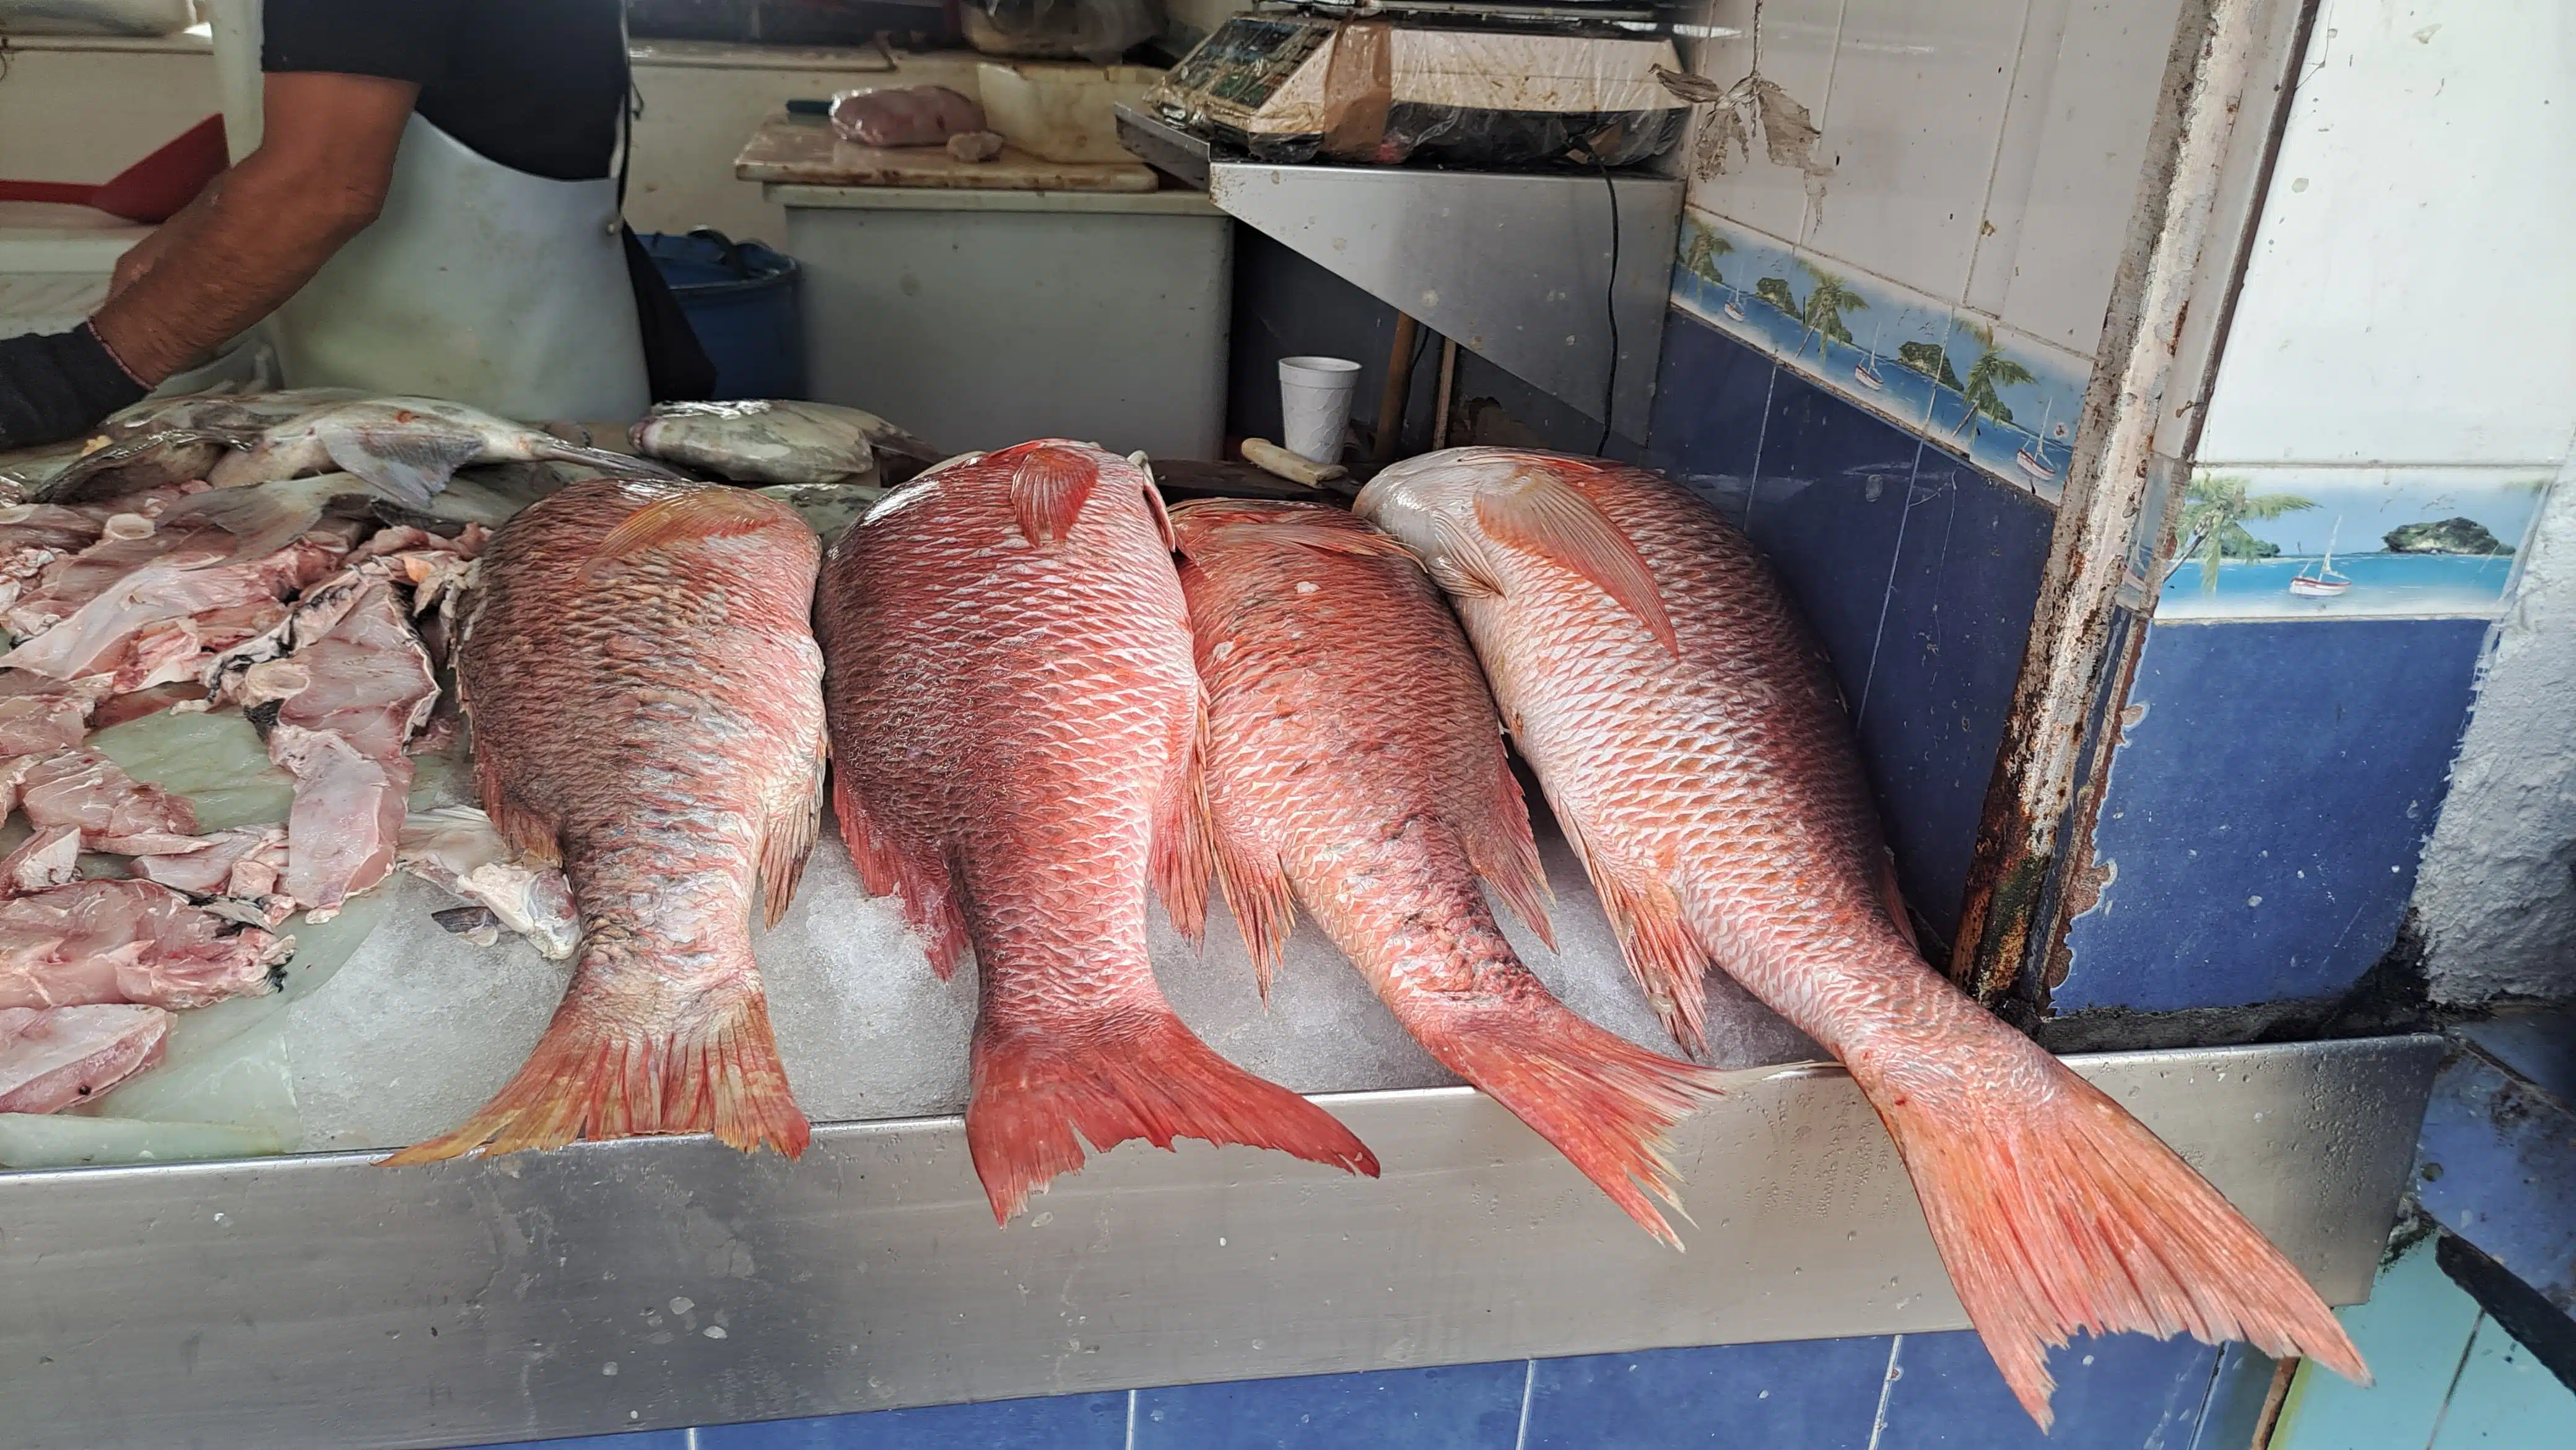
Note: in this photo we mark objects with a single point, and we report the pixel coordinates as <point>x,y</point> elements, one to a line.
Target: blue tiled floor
<point>1467,1407</point>
<point>1813,1396</point>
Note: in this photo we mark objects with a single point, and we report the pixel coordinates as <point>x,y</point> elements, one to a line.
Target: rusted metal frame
<point>2226,86</point>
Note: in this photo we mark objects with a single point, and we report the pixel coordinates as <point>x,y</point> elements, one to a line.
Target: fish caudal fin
<point>1140,1074</point>
<point>595,1076</point>
<point>2058,1211</point>
<point>1605,1103</point>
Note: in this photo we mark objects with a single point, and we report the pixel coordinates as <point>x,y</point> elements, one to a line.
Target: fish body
<point>407,447</point>
<point>1014,718</point>
<point>1682,722</point>
<point>162,441</point>
<point>645,696</point>
<point>778,441</point>
<point>1354,760</point>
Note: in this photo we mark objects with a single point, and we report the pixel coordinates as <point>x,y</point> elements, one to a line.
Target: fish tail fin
<point>1183,854</point>
<point>924,887</point>
<point>1506,855</point>
<point>1139,1074</point>
<point>2056,1210</point>
<point>596,1074</point>
<point>1605,1103</point>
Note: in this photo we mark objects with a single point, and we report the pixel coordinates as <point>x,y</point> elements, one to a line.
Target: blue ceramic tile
<point>1949,652</point>
<point>1710,398</point>
<point>2505,1400</point>
<point>639,1440</point>
<point>2236,1398</point>
<point>2538,1045</point>
<point>1062,1422</point>
<point>1829,498</point>
<point>2497,1165</point>
<point>1818,1395</point>
<point>2413,1333</point>
<point>2123,1392</point>
<point>1462,1407</point>
<point>2266,808</point>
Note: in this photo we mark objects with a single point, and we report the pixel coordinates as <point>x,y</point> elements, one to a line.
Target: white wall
<point>84,109</point>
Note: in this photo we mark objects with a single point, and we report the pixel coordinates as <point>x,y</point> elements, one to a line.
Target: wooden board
<point>806,153</point>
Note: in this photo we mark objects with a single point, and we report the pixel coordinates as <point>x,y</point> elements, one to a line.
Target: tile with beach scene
<point>2007,400</point>
<point>2271,542</point>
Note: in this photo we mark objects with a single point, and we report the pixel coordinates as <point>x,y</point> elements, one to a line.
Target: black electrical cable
<point>1609,301</point>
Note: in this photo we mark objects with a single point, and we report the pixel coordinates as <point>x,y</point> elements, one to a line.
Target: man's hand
<point>262,229</point>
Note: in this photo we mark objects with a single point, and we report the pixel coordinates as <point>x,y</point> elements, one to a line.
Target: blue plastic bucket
<point>741,298</point>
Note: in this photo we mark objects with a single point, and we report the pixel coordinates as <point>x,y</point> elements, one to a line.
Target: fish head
<point>1429,504</point>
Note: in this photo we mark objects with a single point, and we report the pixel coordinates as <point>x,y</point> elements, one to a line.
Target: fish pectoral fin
<point>1182,854</point>
<point>713,512</point>
<point>1049,486</point>
<point>409,465</point>
<point>786,839</point>
<point>1501,848</point>
<point>1540,513</point>
<point>919,878</point>
<point>1331,533</point>
<point>262,518</point>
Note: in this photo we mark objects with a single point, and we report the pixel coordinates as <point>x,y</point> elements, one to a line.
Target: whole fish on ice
<point>780,441</point>
<point>1355,765</point>
<point>1653,672</point>
<point>645,694</point>
<point>1014,717</point>
<point>160,441</point>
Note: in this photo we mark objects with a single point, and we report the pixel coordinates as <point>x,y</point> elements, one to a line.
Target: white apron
<point>477,283</point>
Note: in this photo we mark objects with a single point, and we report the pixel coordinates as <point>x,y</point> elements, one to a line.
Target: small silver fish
<point>762,440</point>
<point>162,441</point>
<point>407,446</point>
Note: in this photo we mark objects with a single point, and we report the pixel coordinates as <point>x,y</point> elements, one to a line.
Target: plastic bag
<point>1099,31</point>
<point>904,116</point>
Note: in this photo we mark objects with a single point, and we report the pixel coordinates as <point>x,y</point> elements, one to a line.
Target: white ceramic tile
<point>1916,109</point>
<point>2055,247</point>
<point>1797,51</point>
<point>2412,295</point>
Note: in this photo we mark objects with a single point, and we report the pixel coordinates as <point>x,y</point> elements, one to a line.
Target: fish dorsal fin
<point>1543,514</point>
<point>715,512</point>
<point>1048,489</point>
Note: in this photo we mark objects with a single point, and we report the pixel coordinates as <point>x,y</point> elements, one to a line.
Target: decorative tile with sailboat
<point>2006,400</point>
<point>2296,542</point>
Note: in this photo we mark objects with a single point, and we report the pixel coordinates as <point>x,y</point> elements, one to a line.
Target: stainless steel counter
<point>323,1301</point>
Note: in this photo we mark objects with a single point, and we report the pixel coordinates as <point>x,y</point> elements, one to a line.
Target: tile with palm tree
<point>2009,402</point>
<point>2263,542</point>
<point>1716,274</point>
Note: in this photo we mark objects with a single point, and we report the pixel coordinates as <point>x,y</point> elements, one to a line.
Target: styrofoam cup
<point>1315,405</point>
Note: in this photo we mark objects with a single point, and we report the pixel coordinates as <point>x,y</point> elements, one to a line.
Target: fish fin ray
<point>1147,1077</point>
<point>408,466</point>
<point>1605,1103</point>
<point>1257,894</point>
<point>2056,1211</point>
<point>1504,852</point>
<point>786,840</point>
<point>595,1075</point>
<point>609,461</point>
<point>1049,486</point>
<point>529,834</point>
<point>714,512</point>
<point>1543,514</point>
<point>1182,854</point>
<point>1662,954</point>
<point>887,869</point>
<point>262,519</point>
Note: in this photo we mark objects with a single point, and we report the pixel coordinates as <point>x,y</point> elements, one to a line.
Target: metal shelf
<point>1516,266</point>
<point>325,1301</point>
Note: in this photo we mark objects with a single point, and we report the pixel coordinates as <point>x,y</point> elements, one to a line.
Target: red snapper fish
<point>646,699</point>
<point>1355,766</point>
<point>1015,721</point>
<point>1682,722</point>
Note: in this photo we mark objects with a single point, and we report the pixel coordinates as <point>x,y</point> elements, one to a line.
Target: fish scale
<point>1683,723</point>
<point>1014,717</point>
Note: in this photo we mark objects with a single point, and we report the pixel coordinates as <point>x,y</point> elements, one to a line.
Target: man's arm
<point>258,233</point>
<point>263,228</point>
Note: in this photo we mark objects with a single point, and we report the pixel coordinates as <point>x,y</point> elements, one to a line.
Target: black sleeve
<point>403,40</point>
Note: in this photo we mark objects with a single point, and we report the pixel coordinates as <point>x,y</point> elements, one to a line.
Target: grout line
<point>2453,1388</point>
<point>1886,1387</point>
<point>1529,1382</point>
<point>689,1438</point>
<point>1761,435</point>
<point>1887,594</point>
<point>1131,1420</point>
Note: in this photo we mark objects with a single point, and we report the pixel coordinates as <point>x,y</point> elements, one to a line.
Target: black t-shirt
<point>532,84</point>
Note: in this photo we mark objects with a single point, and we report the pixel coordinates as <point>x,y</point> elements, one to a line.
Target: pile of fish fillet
<point>1037,698</point>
